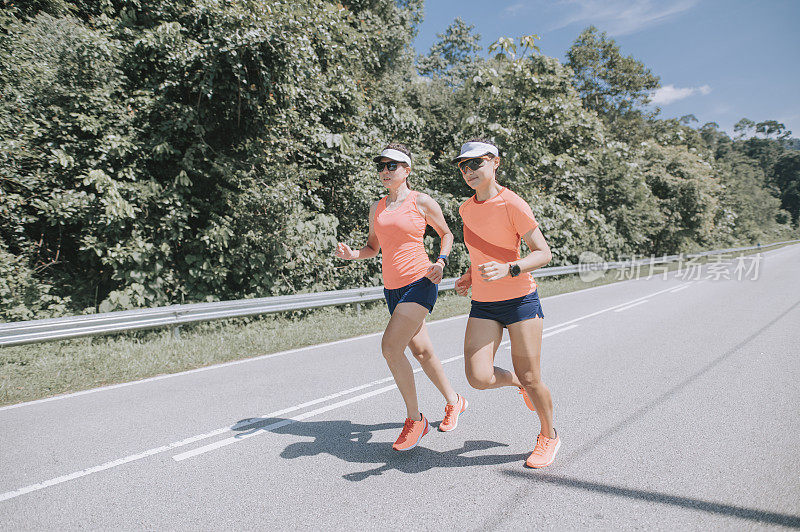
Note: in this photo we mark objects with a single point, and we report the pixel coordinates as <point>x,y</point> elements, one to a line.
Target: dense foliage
<point>190,150</point>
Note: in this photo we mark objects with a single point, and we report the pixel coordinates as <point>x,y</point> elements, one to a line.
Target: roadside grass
<point>36,371</point>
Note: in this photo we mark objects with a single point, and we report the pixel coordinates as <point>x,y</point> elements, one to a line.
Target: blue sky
<point>720,60</point>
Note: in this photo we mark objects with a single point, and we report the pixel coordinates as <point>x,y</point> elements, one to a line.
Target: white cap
<point>471,150</point>
<point>394,155</point>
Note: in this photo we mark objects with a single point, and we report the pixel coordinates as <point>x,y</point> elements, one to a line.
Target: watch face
<point>514,270</point>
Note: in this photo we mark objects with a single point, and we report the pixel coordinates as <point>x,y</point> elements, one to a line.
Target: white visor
<point>394,155</point>
<point>471,150</point>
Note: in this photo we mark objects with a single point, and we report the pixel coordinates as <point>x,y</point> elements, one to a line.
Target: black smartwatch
<point>444,259</point>
<point>514,270</point>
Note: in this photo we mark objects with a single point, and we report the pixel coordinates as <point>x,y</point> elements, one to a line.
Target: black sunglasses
<point>390,165</point>
<point>472,164</point>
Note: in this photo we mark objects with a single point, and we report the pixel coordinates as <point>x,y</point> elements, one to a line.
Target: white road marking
<point>558,329</point>
<point>562,329</point>
<point>281,423</point>
<point>631,306</point>
<point>612,308</point>
<point>684,287</point>
<point>97,469</point>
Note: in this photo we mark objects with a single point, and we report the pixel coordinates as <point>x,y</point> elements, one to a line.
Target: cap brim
<point>393,155</point>
<point>472,154</point>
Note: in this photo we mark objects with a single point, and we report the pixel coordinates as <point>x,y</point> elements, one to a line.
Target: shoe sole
<point>466,404</point>
<point>424,432</point>
<point>558,446</point>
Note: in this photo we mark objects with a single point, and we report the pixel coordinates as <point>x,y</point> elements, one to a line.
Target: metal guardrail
<point>26,332</point>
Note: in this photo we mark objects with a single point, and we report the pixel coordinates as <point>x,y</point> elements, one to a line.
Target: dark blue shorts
<point>510,310</point>
<point>421,291</point>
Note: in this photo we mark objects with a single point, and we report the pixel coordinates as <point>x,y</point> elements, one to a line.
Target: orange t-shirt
<point>400,234</point>
<point>493,231</point>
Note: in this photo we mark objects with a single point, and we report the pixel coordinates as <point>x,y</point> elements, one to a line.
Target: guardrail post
<point>176,333</point>
<point>358,309</point>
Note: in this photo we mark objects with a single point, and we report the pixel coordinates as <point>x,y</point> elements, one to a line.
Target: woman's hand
<point>492,271</point>
<point>463,283</point>
<point>343,251</point>
<point>435,272</point>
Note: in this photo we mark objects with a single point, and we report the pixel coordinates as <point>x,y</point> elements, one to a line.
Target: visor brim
<point>470,155</point>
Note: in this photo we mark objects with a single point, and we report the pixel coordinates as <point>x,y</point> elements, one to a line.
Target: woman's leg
<point>526,351</point>
<point>480,345</point>
<point>422,349</point>
<point>403,326</point>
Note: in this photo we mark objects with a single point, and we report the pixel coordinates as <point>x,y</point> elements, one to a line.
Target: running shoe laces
<point>449,412</point>
<point>407,428</point>
<point>541,445</point>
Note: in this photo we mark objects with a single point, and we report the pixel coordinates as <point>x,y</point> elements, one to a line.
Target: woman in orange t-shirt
<point>396,227</point>
<point>504,294</point>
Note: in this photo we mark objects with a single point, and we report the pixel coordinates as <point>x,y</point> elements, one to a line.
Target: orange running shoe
<point>412,433</point>
<point>527,399</point>
<point>545,451</point>
<point>451,413</point>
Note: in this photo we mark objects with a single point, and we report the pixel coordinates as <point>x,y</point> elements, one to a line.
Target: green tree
<point>82,9</point>
<point>453,57</point>
<point>687,192</point>
<point>617,182</point>
<point>747,204</point>
<point>66,140</point>
<point>613,85</point>
<point>786,175</point>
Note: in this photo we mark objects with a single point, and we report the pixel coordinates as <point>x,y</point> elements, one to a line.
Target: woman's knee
<point>390,350</point>
<point>529,378</point>
<point>423,356</point>
<point>392,357</point>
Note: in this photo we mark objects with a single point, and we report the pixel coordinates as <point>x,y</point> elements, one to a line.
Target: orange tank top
<point>400,233</point>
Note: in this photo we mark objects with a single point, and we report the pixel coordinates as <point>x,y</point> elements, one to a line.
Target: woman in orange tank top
<point>504,294</point>
<point>396,227</point>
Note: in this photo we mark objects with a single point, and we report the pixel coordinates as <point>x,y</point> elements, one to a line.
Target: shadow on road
<point>351,442</point>
<point>663,498</point>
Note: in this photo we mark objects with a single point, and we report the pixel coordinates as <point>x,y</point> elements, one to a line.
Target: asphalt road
<point>677,401</point>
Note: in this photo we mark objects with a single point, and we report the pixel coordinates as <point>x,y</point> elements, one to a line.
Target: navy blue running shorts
<point>421,291</point>
<point>510,310</point>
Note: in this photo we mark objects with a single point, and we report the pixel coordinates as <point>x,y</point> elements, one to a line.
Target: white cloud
<point>623,17</point>
<point>514,9</point>
<point>670,93</point>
